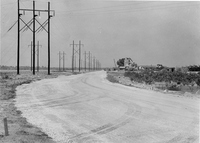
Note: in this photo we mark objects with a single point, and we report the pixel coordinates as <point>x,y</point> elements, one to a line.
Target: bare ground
<point>20,131</point>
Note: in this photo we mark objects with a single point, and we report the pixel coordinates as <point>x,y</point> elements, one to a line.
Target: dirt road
<point>86,108</point>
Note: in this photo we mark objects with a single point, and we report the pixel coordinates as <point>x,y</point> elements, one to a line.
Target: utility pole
<point>59,60</point>
<point>72,56</point>
<point>18,37</point>
<point>38,46</point>
<point>94,63</point>
<point>98,65</point>
<point>34,37</point>
<point>34,30</point>
<point>75,63</point>
<point>89,60</point>
<point>49,16</point>
<point>80,55</point>
<point>85,60</point>
<point>81,63</point>
<point>74,52</point>
<point>31,55</point>
<point>63,61</point>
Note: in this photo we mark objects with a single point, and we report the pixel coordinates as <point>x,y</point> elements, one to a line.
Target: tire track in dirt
<point>133,111</point>
<point>184,137</point>
<point>116,124</point>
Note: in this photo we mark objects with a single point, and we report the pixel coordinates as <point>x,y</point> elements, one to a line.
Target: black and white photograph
<point>99,71</point>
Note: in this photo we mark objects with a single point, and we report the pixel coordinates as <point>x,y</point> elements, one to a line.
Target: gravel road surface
<point>86,108</point>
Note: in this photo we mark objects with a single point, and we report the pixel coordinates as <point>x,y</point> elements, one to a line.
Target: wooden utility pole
<point>18,37</point>
<point>49,16</point>
<point>63,61</point>
<point>59,60</point>
<point>76,52</point>
<point>94,63</point>
<point>72,56</point>
<point>89,60</point>
<point>75,62</point>
<point>85,60</point>
<point>80,55</point>
<point>34,37</point>
<point>38,56</point>
<point>27,26</point>
<point>31,54</point>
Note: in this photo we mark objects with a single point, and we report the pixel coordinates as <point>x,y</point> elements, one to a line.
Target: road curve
<point>86,108</point>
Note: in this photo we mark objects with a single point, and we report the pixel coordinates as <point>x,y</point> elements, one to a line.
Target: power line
<point>74,52</point>
<point>33,31</point>
<point>134,10</point>
<point>82,10</point>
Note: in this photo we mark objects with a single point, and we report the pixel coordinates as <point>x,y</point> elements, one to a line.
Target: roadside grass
<point>174,81</point>
<point>174,86</point>
<point>111,78</point>
<point>4,76</point>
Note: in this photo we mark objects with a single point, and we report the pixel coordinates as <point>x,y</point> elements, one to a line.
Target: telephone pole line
<point>34,30</point>
<point>94,63</point>
<point>72,55</point>
<point>75,63</point>
<point>34,37</point>
<point>59,59</point>
<point>89,60</point>
<point>49,16</point>
<point>80,55</point>
<point>74,52</point>
<point>37,52</point>
<point>38,46</point>
<point>97,65</point>
<point>85,60</point>
<point>31,55</point>
<point>63,61</point>
<point>18,36</point>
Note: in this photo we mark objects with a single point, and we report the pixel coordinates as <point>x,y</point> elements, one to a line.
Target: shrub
<point>4,76</point>
<point>198,82</point>
<point>112,79</point>
<point>173,87</point>
<point>149,76</point>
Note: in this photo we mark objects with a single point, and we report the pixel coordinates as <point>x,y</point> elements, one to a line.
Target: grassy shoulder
<point>175,81</point>
<point>185,85</point>
<point>20,131</point>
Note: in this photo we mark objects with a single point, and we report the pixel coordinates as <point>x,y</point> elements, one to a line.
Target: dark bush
<point>198,82</point>
<point>173,87</point>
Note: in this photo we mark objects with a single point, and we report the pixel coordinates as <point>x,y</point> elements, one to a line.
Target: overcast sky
<point>163,32</point>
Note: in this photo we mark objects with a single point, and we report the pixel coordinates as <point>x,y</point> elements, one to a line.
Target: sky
<point>149,32</point>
